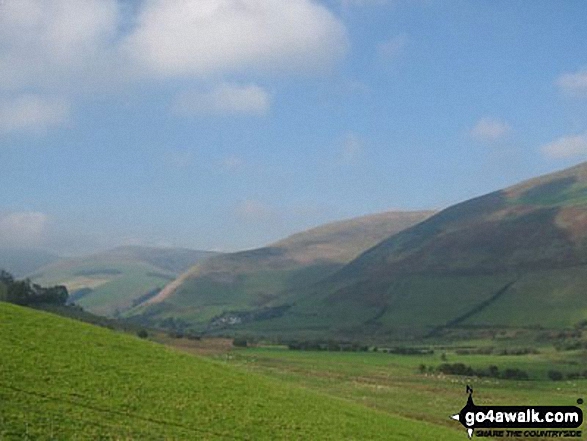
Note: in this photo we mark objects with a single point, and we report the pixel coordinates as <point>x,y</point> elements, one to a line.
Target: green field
<point>61,379</point>
<point>393,383</point>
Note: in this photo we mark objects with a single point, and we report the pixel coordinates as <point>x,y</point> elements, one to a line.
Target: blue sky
<point>228,124</point>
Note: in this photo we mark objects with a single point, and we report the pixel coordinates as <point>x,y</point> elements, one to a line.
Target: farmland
<point>62,379</point>
<point>411,385</point>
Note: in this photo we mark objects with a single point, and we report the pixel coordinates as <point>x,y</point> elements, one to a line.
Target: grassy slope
<point>61,379</point>
<point>119,276</point>
<point>264,277</point>
<point>452,268</point>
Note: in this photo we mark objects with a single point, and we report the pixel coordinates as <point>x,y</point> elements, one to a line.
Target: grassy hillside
<point>111,282</point>
<point>21,262</point>
<point>61,379</point>
<point>516,257</point>
<point>265,277</point>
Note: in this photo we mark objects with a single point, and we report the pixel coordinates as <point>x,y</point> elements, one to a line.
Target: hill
<point>516,257</point>
<point>62,379</point>
<point>113,281</point>
<point>22,262</point>
<point>263,279</point>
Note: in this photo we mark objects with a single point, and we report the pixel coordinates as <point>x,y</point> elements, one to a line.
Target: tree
<point>555,375</point>
<point>239,342</point>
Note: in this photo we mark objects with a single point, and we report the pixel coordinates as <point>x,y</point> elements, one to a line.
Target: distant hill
<point>113,281</point>
<point>265,278</point>
<point>62,379</point>
<point>516,257</point>
<point>21,262</point>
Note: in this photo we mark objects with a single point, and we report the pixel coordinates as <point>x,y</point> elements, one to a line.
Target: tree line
<point>26,293</point>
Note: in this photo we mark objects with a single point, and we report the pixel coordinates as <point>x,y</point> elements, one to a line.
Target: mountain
<point>113,281</point>
<point>21,262</point>
<point>515,257</point>
<point>62,379</point>
<point>264,278</point>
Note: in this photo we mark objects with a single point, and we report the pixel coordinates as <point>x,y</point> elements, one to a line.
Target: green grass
<point>550,298</point>
<point>393,384</point>
<point>61,379</point>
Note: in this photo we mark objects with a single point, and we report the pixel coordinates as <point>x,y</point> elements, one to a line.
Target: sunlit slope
<point>264,277</point>
<point>513,257</point>
<point>111,282</point>
<point>61,379</point>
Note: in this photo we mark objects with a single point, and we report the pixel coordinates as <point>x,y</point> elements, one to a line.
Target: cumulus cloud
<point>489,130</point>
<point>392,48</point>
<point>349,3</point>
<point>566,147</point>
<point>46,43</point>
<point>232,163</point>
<point>252,210</point>
<point>352,149</point>
<point>179,158</point>
<point>49,42</point>
<point>69,47</point>
<point>32,112</point>
<point>224,99</point>
<point>22,229</point>
<point>184,37</point>
<point>574,84</point>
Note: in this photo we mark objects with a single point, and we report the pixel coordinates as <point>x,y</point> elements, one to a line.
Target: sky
<point>229,124</point>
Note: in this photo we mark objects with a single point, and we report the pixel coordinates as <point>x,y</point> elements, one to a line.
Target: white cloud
<point>45,43</point>
<point>179,158</point>
<point>32,112</point>
<point>392,48</point>
<point>566,147</point>
<point>252,210</point>
<point>22,229</point>
<point>232,163</point>
<point>224,99</point>
<point>573,84</point>
<point>489,130</point>
<point>185,37</point>
<point>349,3</point>
<point>74,47</point>
<point>352,149</point>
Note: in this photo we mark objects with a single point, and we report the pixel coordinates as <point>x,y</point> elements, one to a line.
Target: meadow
<point>61,379</point>
<point>397,385</point>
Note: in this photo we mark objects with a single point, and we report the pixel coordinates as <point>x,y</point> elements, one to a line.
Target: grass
<point>550,298</point>
<point>393,384</point>
<point>61,379</point>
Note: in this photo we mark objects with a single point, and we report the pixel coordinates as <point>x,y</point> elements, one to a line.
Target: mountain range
<point>515,257</point>
<point>266,278</point>
<point>110,282</point>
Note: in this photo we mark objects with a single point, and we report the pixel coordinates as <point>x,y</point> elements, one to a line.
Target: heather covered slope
<point>113,281</point>
<point>515,257</point>
<point>62,379</point>
<point>265,277</point>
